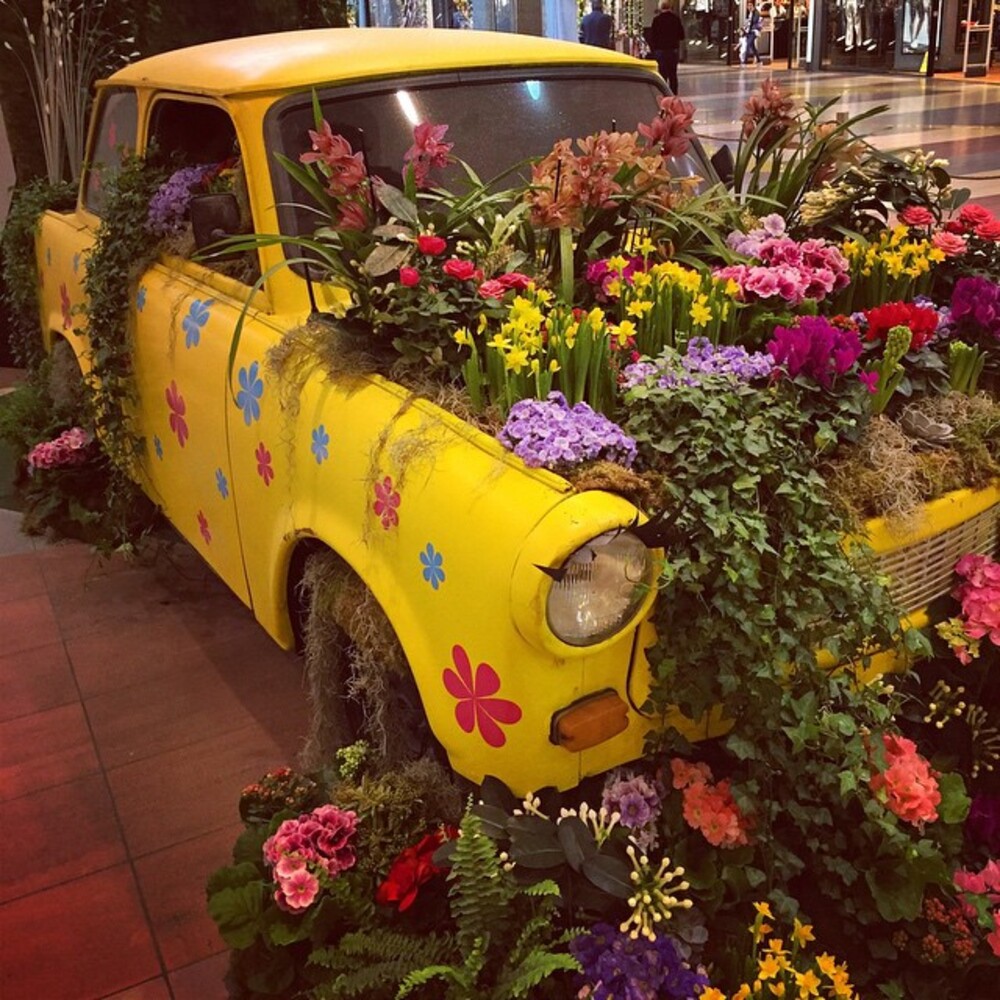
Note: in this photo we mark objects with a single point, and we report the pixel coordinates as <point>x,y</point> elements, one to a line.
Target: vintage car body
<point>444,526</point>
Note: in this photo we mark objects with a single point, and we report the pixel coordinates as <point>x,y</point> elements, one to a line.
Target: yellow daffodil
<point>614,288</point>
<point>700,313</point>
<point>639,307</point>
<point>462,336</point>
<point>596,317</point>
<point>535,366</point>
<point>712,994</point>
<point>516,359</point>
<point>743,992</point>
<point>625,330</point>
<point>617,263</point>
<point>641,280</point>
<point>764,909</point>
<point>483,321</point>
<point>499,342</point>
<point>553,366</point>
<point>808,984</point>
<point>802,933</point>
<point>645,247</point>
<point>771,966</point>
<point>778,989</point>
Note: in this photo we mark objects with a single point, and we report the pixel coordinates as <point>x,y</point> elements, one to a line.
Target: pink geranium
<point>710,808</point>
<point>908,786</point>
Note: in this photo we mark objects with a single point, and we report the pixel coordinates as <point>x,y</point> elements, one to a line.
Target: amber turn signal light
<point>590,721</point>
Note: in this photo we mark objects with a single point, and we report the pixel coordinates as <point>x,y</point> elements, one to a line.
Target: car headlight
<point>599,588</point>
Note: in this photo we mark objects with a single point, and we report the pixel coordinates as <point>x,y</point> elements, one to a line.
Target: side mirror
<point>722,160</point>
<point>214,217</point>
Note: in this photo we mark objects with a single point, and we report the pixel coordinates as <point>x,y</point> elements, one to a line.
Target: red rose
<point>989,230</point>
<point>463,270</point>
<point>514,279</point>
<point>971,215</point>
<point>412,868</point>
<point>954,226</point>
<point>917,215</point>
<point>492,289</point>
<point>431,245</point>
<point>409,276</point>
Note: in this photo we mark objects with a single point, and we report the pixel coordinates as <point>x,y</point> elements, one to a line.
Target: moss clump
<point>645,491</point>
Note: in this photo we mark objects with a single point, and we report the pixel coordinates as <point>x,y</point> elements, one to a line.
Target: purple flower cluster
<point>618,967</point>
<point>750,244</point>
<point>554,435</point>
<point>168,207</point>
<point>702,359</point>
<point>977,300</point>
<point>636,799</point>
<point>816,348</point>
<point>788,270</point>
<point>600,275</point>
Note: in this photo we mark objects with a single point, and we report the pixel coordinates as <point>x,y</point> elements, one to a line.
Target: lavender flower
<point>637,801</point>
<point>619,967</point>
<point>552,434</point>
<point>169,205</point>
<point>702,361</point>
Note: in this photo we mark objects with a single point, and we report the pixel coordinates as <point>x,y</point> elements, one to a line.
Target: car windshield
<point>496,123</point>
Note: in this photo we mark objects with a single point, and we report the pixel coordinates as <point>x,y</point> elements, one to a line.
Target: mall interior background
<point>867,35</point>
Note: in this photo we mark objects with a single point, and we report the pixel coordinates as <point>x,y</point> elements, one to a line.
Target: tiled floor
<point>138,700</point>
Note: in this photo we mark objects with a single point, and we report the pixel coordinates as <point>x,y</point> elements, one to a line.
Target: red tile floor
<point>137,700</point>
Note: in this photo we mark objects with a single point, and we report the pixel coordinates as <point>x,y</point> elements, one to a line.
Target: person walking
<point>597,27</point>
<point>751,29</point>
<point>665,36</point>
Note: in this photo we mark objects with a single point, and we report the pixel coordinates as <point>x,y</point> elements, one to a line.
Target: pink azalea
<point>477,707</point>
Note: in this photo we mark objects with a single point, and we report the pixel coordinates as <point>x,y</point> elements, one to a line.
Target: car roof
<point>291,60</point>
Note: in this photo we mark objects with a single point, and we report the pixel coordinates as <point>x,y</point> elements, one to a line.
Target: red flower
<point>264,468</point>
<point>514,279</point>
<point>492,289</point>
<point>463,270</point>
<point>431,245</point>
<point>412,868</point>
<point>175,401</point>
<point>989,230</point>
<point>971,215</point>
<point>921,320</point>
<point>409,276</point>
<point>917,215</point>
<point>387,500</point>
<point>476,705</point>
<point>203,527</point>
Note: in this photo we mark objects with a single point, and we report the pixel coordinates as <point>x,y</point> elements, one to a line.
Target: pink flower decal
<point>177,410</point>
<point>203,528</point>
<point>264,468</point>
<point>67,307</point>
<point>477,708</point>
<point>387,501</point>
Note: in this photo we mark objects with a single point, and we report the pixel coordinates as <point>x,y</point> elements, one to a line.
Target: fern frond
<point>431,972</point>
<point>547,887</point>
<point>481,892</point>
<point>537,966</point>
<point>374,963</point>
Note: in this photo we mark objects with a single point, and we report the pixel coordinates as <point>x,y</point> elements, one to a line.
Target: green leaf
<point>955,803</point>
<point>610,875</point>
<point>233,877</point>
<point>531,850</point>
<point>384,258</point>
<point>397,204</point>
<point>577,841</point>
<point>237,913</point>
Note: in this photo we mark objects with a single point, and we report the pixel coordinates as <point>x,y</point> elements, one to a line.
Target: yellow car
<point>519,603</point>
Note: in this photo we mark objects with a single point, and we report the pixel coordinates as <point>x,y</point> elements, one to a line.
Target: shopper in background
<point>664,37</point>
<point>751,31</point>
<point>597,27</point>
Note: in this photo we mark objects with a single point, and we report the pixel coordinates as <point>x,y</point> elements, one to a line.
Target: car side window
<point>112,141</point>
<point>196,141</point>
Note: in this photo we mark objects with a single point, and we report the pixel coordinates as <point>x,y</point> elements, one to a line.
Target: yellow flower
<point>771,966</point>
<point>712,994</point>
<point>827,964</point>
<point>596,317</point>
<point>732,287</point>
<point>462,336</point>
<point>614,288</point>
<point>542,295</point>
<point>936,255</point>
<point>639,307</point>
<point>645,247</point>
<point>764,909</point>
<point>802,934</point>
<point>700,313</point>
<point>516,359</point>
<point>553,366</point>
<point>758,929</point>
<point>535,366</point>
<point>500,342</point>
<point>778,989</point>
<point>776,946</point>
<point>808,984</point>
<point>742,993</point>
<point>483,321</point>
<point>625,330</point>
<point>617,263</point>
<point>641,280</point>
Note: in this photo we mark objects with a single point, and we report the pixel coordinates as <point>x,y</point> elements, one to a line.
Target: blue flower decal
<point>431,560</point>
<point>320,444</point>
<point>76,263</point>
<point>251,389</point>
<point>158,446</point>
<point>222,484</point>
<point>196,318</point>
<point>140,298</point>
